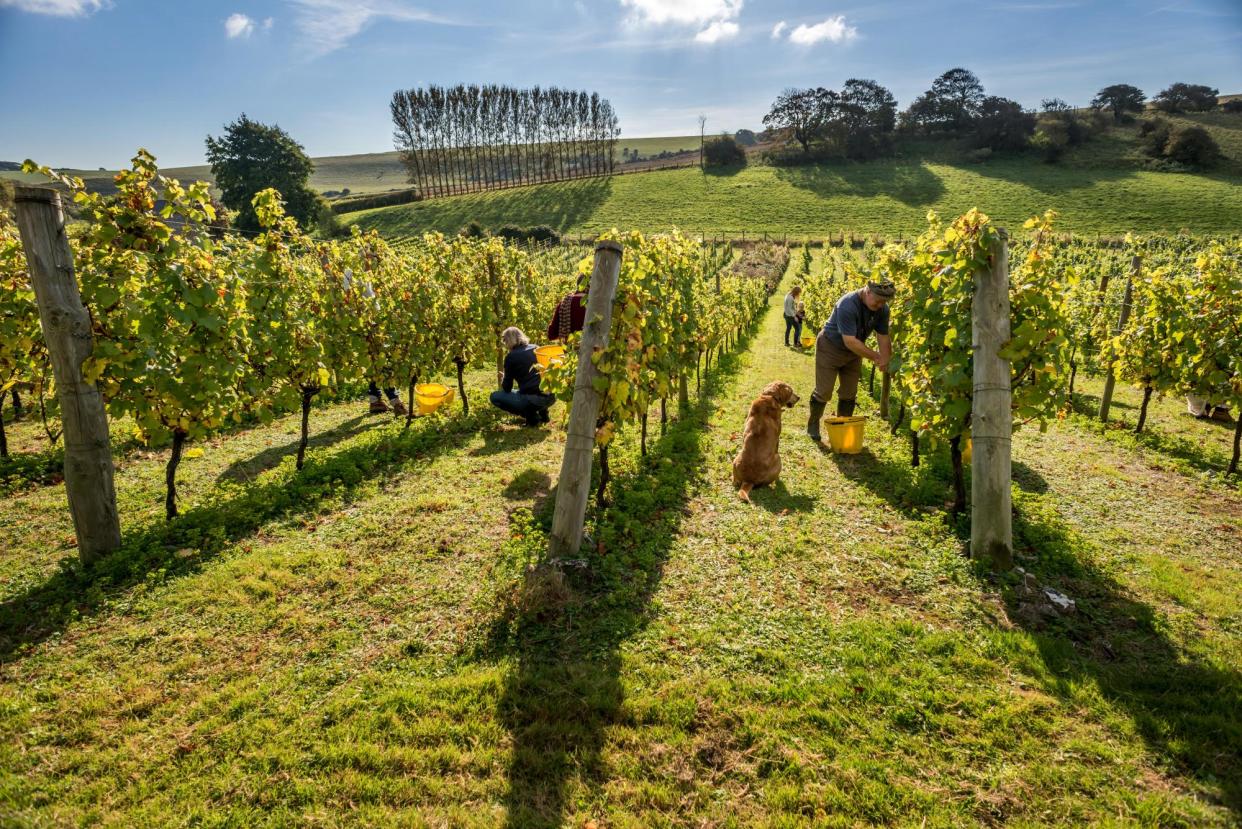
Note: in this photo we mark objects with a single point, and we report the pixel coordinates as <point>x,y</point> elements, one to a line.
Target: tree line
<point>468,138</point>
<point>861,120</point>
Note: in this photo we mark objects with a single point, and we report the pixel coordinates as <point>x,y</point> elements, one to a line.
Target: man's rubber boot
<point>377,406</point>
<point>812,424</point>
<point>845,408</point>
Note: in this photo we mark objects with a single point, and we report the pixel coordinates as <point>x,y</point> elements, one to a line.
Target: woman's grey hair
<point>513,337</point>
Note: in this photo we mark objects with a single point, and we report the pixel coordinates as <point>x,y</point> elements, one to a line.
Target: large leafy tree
<point>803,113</point>
<point>1186,97</point>
<point>952,104</point>
<point>1120,98</point>
<point>251,157</point>
<point>868,113</point>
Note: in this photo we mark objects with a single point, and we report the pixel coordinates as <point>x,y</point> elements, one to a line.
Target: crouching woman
<point>528,401</point>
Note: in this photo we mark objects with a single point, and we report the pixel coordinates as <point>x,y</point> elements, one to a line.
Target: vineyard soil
<point>360,643</point>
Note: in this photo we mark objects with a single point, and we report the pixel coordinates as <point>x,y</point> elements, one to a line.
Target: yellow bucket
<point>549,354</point>
<point>808,341</point>
<point>431,396</point>
<point>845,434</point>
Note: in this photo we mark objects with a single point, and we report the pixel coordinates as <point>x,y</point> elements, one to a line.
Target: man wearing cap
<point>842,344</point>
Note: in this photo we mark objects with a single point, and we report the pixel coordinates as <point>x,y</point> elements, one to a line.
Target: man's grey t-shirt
<point>853,318</point>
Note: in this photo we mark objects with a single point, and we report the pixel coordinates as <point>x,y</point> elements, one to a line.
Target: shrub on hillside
<point>1232,105</point>
<point>1190,144</point>
<point>724,152</point>
<point>1003,124</point>
<point>746,138</point>
<point>538,233</point>
<point>1153,135</point>
<point>1051,138</point>
<point>1186,97</point>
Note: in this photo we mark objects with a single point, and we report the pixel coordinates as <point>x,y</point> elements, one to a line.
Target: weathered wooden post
<point>991,421</point>
<point>67,331</point>
<point>574,485</point>
<point>1110,379</point>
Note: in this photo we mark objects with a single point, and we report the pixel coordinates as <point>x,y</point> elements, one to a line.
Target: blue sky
<point>85,82</point>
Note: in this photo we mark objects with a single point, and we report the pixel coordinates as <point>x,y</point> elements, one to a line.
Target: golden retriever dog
<point>759,461</point>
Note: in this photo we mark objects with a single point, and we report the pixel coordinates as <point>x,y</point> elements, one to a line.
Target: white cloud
<point>779,29</point>
<point>716,17</point>
<point>684,12</point>
<point>267,23</point>
<point>238,25</point>
<point>717,31</point>
<point>327,25</point>
<point>833,29</point>
<point>57,8</point>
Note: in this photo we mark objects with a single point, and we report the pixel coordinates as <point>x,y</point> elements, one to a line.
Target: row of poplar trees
<point>464,139</point>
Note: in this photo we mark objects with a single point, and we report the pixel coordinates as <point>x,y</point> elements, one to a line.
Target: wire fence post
<point>991,419</point>
<point>67,331</point>
<point>1110,379</point>
<point>574,485</point>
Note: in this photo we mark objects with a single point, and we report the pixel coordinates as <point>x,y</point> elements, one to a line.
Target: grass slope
<point>1100,189</point>
<point>362,644</point>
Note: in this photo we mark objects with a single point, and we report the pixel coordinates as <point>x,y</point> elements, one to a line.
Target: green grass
<point>1100,188</point>
<point>890,197</point>
<point>375,641</point>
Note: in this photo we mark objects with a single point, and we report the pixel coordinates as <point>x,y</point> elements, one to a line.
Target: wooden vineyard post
<point>67,331</point>
<point>574,485</point>
<point>991,421</point>
<point>1110,379</point>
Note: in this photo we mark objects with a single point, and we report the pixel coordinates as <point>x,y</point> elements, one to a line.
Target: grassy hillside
<point>363,644</point>
<point>364,173</point>
<point>1100,188</point>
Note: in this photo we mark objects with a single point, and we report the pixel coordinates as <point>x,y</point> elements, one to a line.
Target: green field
<point>363,173</point>
<point>1100,188</point>
<point>362,644</point>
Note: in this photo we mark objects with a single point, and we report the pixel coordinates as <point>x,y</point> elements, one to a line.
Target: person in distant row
<point>528,401</point>
<point>792,321</point>
<point>1203,409</point>
<point>378,406</point>
<point>842,344</point>
<point>570,313</point>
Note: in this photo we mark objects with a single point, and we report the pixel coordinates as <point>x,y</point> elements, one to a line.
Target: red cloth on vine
<point>570,316</point>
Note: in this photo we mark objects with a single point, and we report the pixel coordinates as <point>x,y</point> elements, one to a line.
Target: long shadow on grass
<point>909,182</point>
<point>250,468</point>
<point>183,545</point>
<point>911,491</point>
<point>565,624</point>
<point>1185,448</point>
<point>1185,708</point>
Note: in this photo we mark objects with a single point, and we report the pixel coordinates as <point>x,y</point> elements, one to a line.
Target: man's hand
<point>500,378</point>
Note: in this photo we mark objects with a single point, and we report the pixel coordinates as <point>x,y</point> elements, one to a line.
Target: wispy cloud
<point>238,25</point>
<point>779,29</point>
<point>717,31</point>
<point>715,19</point>
<point>327,25</point>
<point>834,30</point>
<point>57,8</point>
